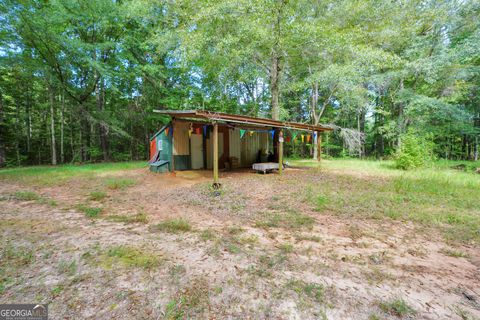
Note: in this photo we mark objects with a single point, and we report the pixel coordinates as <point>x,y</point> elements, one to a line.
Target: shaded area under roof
<point>225,117</point>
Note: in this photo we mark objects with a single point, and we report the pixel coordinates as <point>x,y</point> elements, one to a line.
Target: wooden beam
<point>280,152</point>
<point>319,146</point>
<point>173,146</point>
<point>215,154</point>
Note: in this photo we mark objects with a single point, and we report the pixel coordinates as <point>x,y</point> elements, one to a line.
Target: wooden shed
<point>196,139</point>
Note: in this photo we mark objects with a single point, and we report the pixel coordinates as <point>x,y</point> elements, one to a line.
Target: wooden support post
<point>215,155</point>
<point>173,146</point>
<point>280,152</point>
<point>319,146</point>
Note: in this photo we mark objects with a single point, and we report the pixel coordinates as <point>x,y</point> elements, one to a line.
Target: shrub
<point>414,152</point>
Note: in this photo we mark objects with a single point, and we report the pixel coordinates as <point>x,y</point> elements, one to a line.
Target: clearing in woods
<point>348,239</point>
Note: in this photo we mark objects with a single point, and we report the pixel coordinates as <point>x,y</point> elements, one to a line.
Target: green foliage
<point>414,152</point>
<point>97,71</point>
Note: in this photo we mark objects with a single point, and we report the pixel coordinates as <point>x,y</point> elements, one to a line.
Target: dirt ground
<point>257,249</point>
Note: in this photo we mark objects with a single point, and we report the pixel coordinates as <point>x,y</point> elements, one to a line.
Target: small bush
<point>414,152</point>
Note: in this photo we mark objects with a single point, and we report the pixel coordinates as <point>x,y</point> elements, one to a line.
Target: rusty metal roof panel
<point>225,117</point>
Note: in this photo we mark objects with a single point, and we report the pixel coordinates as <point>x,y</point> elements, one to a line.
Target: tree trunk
<point>52,125</point>
<point>314,105</point>
<point>62,109</point>
<point>3,159</point>
<point>475,152</point>
<point>274,86</point>
<point>102,128</point>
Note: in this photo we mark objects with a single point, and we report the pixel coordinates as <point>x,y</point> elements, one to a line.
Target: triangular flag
<point>166,131</point>
<point>190,133</point>
<point>272,132</point>
<point>294,135</point>
<point>287,139</point>
<point>251,133</point>
<point>308,138</point>
<point>242,133</point>
<point>303,137</point>
<point>205,131</point>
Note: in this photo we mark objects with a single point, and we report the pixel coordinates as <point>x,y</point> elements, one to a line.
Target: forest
<point>79,79</point>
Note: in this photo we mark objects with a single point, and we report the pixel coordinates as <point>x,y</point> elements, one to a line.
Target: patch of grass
<point>119,183</point>
<point>397,307</point>
<point>286,248</point>
<point>289,220</point>
<point>313,291</point>
<point>67,267</point>
<point>176,273</point>
<point>190,302</point>
<point>248,240</point>
<point>267,264</point>
<point>303,237</point>
<point>57,290</point>
<point>12,258</point>
<point>58,175</point>
<point>137,218</point>
<point>375,276</point>
<point>90,212</point>
<point>454,253</point>
<point>129,257</point>
<point>207,234</point>
<point>47,201</point>
<point>16,256</point>
<point>26,196</point>
<point>97,195</point>
<point>235,230</point>
<point>173,226</point>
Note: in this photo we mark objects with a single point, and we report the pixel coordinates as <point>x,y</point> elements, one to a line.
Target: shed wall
<point>181,140</point>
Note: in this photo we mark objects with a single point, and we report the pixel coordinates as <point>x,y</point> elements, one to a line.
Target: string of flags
<point>289,136</point>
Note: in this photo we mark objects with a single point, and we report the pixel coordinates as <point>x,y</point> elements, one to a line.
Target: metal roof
<point>233,118</point>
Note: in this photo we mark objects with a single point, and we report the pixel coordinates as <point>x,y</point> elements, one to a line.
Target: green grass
<point>288,220</point>
<point>12,259</point>
<point>90,212</point>
<point>454,253</point>
<point>26,195</point>
<point>137,218</point>
<point>173,226</point>
<point>189,302</point>
<point>397,307</point>
<point>97,195</point>
<point>126,256</point>
<point>313,291</point>
<point>57,175</point>
<point>437,196</point>
<point>119,183</point>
